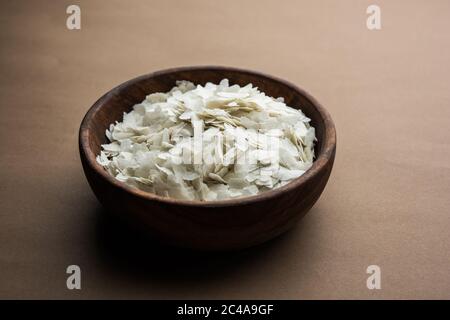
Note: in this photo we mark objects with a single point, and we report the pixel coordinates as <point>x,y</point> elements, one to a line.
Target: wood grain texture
<point>215,225</point>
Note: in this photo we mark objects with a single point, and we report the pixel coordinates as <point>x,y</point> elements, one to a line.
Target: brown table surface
<point>388,199</point>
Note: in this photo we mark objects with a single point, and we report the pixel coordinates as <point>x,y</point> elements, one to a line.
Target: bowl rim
<point>326,154</point>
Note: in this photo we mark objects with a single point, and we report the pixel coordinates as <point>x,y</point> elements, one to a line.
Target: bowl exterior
<point>211,227</point>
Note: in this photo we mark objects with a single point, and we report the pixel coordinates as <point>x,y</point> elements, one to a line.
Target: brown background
<point>387,201</point>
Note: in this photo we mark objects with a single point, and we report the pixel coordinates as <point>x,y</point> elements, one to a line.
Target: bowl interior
<point>111,106</point>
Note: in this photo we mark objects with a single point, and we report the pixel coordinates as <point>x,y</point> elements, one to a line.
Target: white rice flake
<point>211,142</point>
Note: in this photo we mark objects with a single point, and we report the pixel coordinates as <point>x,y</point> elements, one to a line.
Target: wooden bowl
<point>215,225</point>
